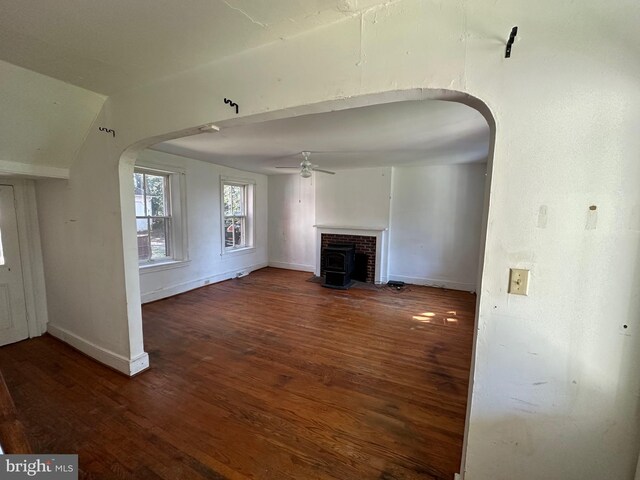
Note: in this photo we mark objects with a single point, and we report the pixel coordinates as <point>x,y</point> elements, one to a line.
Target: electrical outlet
<point>519,281</point>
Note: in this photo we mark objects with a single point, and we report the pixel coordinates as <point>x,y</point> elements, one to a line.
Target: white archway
<point>129,156</point>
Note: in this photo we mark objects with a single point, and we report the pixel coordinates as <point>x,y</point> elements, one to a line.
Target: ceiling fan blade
<point>323,171</point>
<point>296,168</point>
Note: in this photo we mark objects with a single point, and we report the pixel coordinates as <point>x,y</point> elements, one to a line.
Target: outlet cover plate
<point>519,281</point>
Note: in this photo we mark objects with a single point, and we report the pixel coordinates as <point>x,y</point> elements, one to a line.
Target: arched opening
<point>128,161</point>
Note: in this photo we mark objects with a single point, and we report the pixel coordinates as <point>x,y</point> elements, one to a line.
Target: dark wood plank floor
<point>265,377</point>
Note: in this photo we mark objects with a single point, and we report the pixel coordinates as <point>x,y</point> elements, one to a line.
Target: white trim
<point>114,360</point>
<point>155,166</point>
<point>293,266</point>
<point>17,168</point>
<point>430,282</point>
<point>349,227</point>
<point>170,290</point>
<point>178,202</point>
<point>238,180</point>
<point>456,476</point>
<point>249,215</point>
<point>150,267</point>
<point>237,251</point>
<point>382,246</point>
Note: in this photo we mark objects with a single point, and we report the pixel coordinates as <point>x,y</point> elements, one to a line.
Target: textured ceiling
<point>403,133</point>
<point>108,46</point>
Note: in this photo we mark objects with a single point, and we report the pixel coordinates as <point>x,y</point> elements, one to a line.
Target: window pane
<point>227,200</point>
<point>156,206</point>
<point>238,201</point>
<point>239,231</point>
<point>155,185</point>
<point>138,188</point>
<point>156,196</point>
<point>138,183</point>
<point>144,248</point>
<point>228,232</point>
<point>160,238</point>
<point>233,200</point>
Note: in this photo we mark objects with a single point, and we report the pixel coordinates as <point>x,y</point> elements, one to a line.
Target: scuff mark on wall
<point>542,216</point>
<point>592,218</point>
<point>524,402</point>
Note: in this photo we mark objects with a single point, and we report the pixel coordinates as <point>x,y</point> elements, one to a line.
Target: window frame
<point>248,219</point>
<point>176,202</point>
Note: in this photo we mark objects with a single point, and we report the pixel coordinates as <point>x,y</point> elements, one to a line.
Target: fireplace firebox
<point>339,263</point>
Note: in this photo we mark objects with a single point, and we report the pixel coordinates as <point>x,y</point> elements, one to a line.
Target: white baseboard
<point>114,360</point>
<point>178,288</point>
<point>430,282</point>
<point>301,267</point>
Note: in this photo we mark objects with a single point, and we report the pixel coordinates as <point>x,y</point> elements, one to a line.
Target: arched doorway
<point>129,157</point>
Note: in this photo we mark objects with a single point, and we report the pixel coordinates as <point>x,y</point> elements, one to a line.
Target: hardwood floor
<point>13,438</point>
<point>266,377</point>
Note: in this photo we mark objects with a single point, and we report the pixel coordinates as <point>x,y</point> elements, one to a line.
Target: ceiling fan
<point>307,168</point>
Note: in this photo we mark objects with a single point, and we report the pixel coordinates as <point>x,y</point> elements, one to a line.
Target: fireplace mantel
<point>349,227</point>
<point>382,246</point>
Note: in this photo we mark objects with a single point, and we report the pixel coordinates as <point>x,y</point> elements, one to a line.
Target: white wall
<point>436,219</point>
<point>88,306</point>
<point>434,216</point>
<point>556,389</point>
<point>358,198</point>
<point>206,264</point>
<point>292,240</point>
<point>43,122</point>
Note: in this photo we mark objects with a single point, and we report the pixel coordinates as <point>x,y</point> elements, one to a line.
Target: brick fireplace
<point>365,245</point>
<point>371,241</point>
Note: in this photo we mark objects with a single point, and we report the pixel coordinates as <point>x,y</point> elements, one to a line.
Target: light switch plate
<point>519,281</point>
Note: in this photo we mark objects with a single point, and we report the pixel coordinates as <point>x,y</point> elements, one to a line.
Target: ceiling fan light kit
<point>307,168</point>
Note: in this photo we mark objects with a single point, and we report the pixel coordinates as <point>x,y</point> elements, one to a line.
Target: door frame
<point>35,296</point>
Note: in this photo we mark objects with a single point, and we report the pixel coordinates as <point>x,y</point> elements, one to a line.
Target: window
<point>153,216</point>
<point>237,215</point>
<point>158,216</point>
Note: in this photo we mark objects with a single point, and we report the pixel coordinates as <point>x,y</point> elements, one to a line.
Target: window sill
<point>238,251</point>
<point>152,267</point>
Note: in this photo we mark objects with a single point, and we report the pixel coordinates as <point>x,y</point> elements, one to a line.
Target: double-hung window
<point>160,202</point>
<point>237,215</point>
<point>153,215</point>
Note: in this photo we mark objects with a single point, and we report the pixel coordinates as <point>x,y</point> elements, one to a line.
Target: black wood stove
<point>339,263</point>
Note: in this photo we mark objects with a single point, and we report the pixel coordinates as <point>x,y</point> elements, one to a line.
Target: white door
<point>13,312</point>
